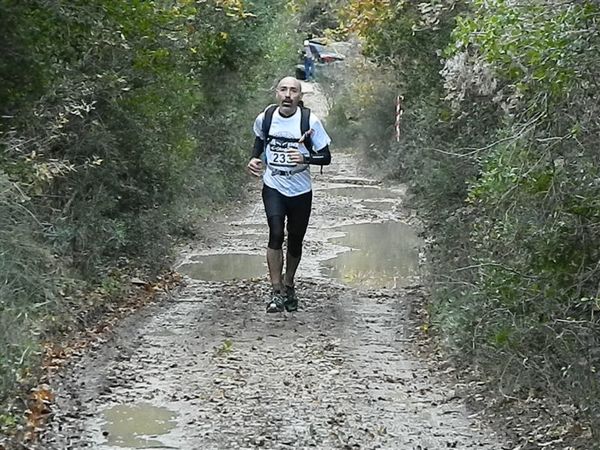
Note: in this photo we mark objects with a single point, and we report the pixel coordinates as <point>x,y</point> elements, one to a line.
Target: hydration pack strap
<point>287,173</point>
<point>304,126</point>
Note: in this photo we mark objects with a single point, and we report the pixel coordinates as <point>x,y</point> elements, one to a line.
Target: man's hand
<point>255,167</point>
<point>309,133</point>
<point>295,156</point>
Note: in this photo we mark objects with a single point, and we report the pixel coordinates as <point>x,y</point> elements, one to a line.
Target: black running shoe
<point>275,304</point>
<point>291,301</point>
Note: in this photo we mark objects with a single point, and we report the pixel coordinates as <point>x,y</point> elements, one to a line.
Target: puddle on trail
<point>381,205</point>
<point>137,426</point>
<point>232,266</point>
<point>383,255</point>
<point>361,192</point>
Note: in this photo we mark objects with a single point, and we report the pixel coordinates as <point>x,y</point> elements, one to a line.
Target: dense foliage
<point>500,145</point>
<point>121,122</point>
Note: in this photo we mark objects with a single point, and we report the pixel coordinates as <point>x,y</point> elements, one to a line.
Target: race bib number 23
<point>281,157</point>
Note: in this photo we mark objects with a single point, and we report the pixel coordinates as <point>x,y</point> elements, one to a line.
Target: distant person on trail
<point>309,62</point>
<point>288,138</point>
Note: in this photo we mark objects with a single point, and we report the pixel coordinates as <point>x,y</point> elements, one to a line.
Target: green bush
<point>499,147</point>
<point>29,285</point>
<point>122,124</point>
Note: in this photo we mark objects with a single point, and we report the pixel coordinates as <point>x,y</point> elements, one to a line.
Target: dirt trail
<point>341,373</point>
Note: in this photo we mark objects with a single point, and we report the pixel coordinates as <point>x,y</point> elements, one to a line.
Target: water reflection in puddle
<point>225,267</point>
<point>137,426</point>
<point>379,205</point>
<point>383,255</point>
<point>362,192</point>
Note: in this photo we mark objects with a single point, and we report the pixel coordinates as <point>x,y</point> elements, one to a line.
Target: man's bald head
<point>291,81</point>
<point>288,94</point>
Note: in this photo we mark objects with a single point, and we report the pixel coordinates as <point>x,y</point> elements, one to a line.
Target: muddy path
<point>207,368</point>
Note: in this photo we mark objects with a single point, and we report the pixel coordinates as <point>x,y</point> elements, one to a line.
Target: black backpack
<point>304,125</point>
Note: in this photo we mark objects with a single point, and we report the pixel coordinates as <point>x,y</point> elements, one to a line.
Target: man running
<point>287,187</point>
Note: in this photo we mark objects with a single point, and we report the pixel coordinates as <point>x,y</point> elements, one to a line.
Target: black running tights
<point>296,209</point>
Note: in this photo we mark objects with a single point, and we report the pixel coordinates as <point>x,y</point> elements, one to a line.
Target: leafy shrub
<point>28,284</point>
<point>121,123</point>
<point>500,150</point>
